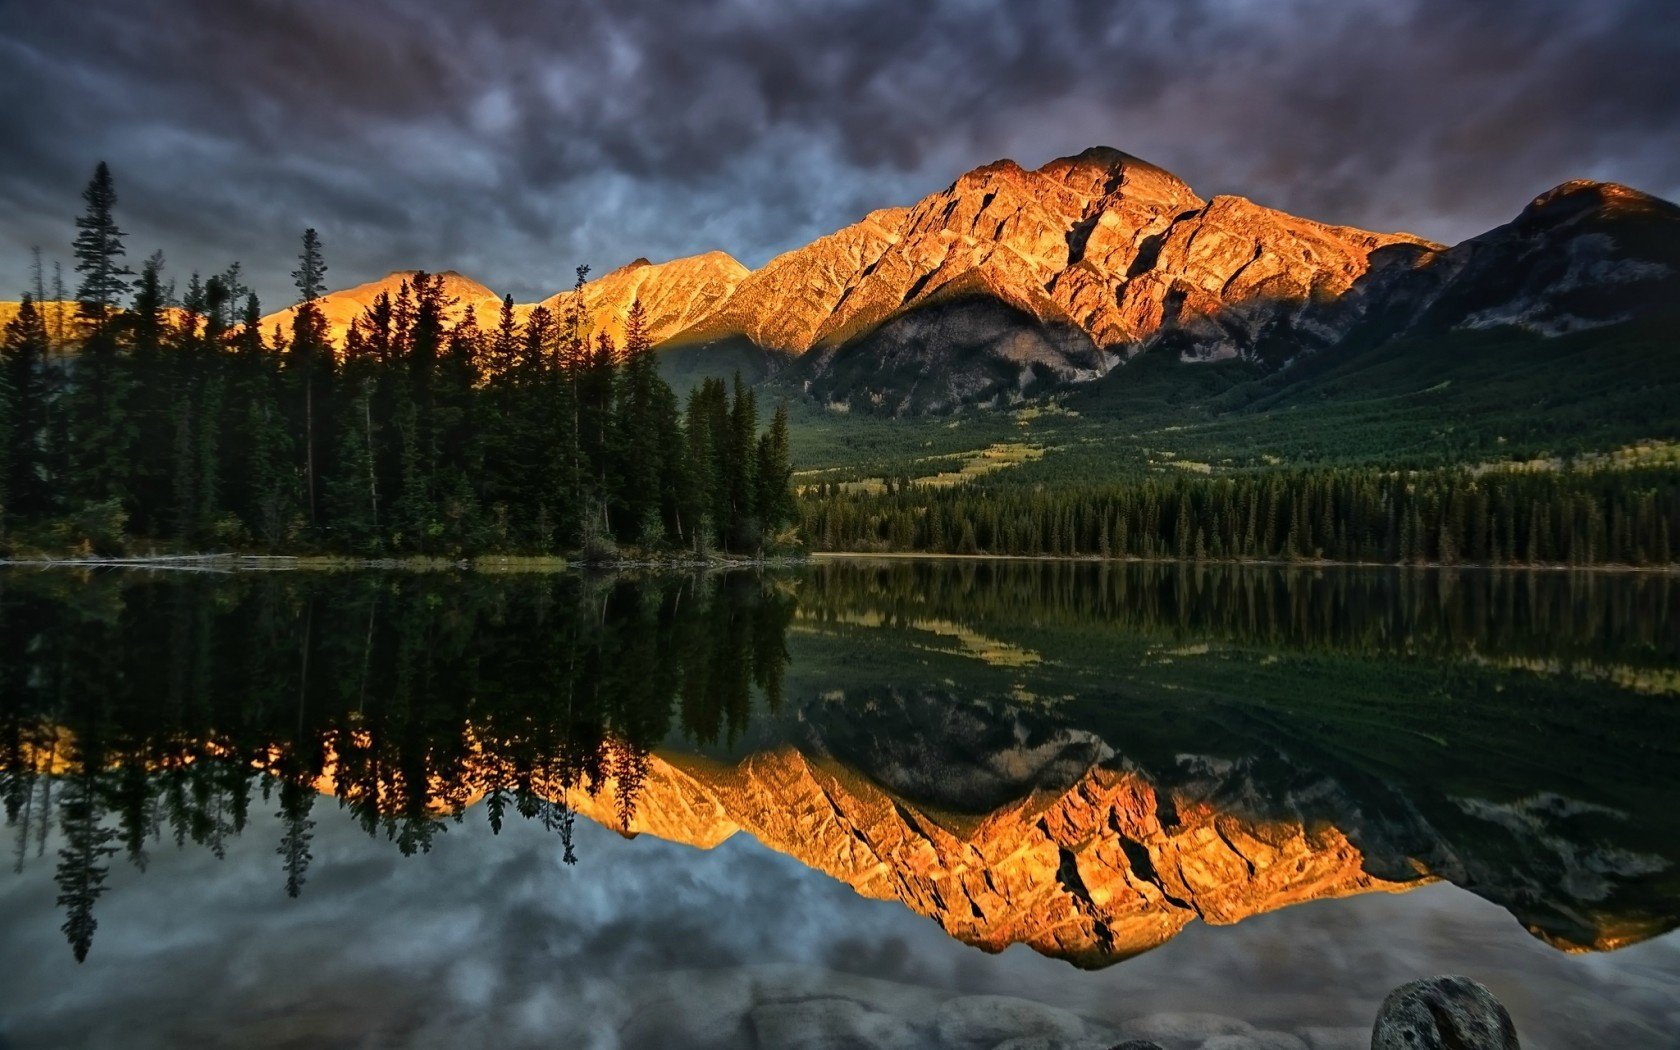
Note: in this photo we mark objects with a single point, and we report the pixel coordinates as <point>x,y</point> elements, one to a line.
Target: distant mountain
<point>1011,282</point>
<point>344,306</point>
<point>678,295</point>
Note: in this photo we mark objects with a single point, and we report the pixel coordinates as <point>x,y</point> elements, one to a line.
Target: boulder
<point>1443,1013</point>
<point>989,1019</point>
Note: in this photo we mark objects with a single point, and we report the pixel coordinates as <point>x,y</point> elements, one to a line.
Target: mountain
<point>1012,282</point>
<point>679,295</point>
<point>1102,242</point>
<point>342,307</point>
<point>1581,256</point>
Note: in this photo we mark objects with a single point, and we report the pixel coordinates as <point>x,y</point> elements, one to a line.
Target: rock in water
<point>1443,1013</point>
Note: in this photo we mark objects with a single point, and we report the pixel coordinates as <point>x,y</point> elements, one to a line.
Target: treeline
<point>1594,517</point>
<point>1590,619</point>
<point>140,713</point>
<point>176,419</point>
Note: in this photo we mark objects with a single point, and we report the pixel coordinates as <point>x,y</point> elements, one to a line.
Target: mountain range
<point>1011,282</point>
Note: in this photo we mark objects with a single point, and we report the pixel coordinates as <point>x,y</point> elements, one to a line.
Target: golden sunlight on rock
<point>1098,873</point>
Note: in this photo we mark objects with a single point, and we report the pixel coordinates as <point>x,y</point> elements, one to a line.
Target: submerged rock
<point>1443,1013</point>
<point>989,1019</point>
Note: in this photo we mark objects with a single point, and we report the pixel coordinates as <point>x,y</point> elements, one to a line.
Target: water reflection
<point>1083,759</point>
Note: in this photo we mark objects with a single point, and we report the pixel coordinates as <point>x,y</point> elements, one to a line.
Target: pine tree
<point>157,393</point>
<point>98,425</point>
<point>639,438</point>
<point>745,527</point>
<point>99,252</point>
<point>503,354</point>
<point>774,499</point>
<point>309,365</point>
<point>23,358</point>
<point>310,276</point>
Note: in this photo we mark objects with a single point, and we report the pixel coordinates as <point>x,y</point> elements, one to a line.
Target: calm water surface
<point>852,804</point>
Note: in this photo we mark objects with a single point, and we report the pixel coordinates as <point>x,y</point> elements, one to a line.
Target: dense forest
<point>175,419</point>
<point>1447,516</point>
<point>138,712</point>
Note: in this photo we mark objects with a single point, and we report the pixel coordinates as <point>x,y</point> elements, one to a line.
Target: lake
<point>851,803</point>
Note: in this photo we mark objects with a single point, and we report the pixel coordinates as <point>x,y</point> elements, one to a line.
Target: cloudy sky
<point>513,141</point>
<point>492,941</point>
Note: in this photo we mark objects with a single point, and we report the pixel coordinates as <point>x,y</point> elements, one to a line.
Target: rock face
<point>1010,280</point>
<point>677,295</point>
<point>1443,1013</point>
<point>1103,242</point>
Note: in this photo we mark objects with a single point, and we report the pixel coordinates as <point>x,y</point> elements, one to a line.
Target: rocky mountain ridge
<point>1010,281</point>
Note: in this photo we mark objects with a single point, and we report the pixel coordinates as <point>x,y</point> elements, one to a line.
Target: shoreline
<point>225,563</point>
<point>1300,563</point>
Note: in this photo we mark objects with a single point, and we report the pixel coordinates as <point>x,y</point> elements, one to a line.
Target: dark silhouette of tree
<point>310,276</point>
<point>99,427</point>
<point>99,252</point>
<point>23,356</point>
<point>309,367</point>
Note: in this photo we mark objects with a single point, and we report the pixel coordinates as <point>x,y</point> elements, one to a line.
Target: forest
<point>1603,516</point>
<point>173,419</point>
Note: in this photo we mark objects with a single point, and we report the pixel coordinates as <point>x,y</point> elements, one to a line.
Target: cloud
<point>512,141</point>
<point>492,941</point>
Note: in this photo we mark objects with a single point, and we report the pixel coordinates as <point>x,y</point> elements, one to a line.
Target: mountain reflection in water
<point>1079,758</point>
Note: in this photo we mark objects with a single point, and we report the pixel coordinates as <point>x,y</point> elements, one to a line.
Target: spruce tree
<point>309,366</point>
<point>99,252</point>
<point>745,526</point>
<point>99,430</point>
<point>774,499</point>
<point>639,439</point>
<point>23,357</point>
<point>310,276</point>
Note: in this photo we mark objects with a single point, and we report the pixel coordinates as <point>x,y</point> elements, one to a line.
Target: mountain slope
<point>1102,248</point>
<point>677,295</point>
<point>343,307</point>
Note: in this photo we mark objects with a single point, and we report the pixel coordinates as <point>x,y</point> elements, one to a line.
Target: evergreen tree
<point>99,427</point>
<point>640,436</point>
<point>774,499</point>
<point>23,357</point>
<point>310,276</point>
<point>99,252</point>
<point>739,468</point>
<point>309,367</point>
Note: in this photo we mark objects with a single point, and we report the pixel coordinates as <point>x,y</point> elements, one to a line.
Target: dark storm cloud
<point>513,140</point>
